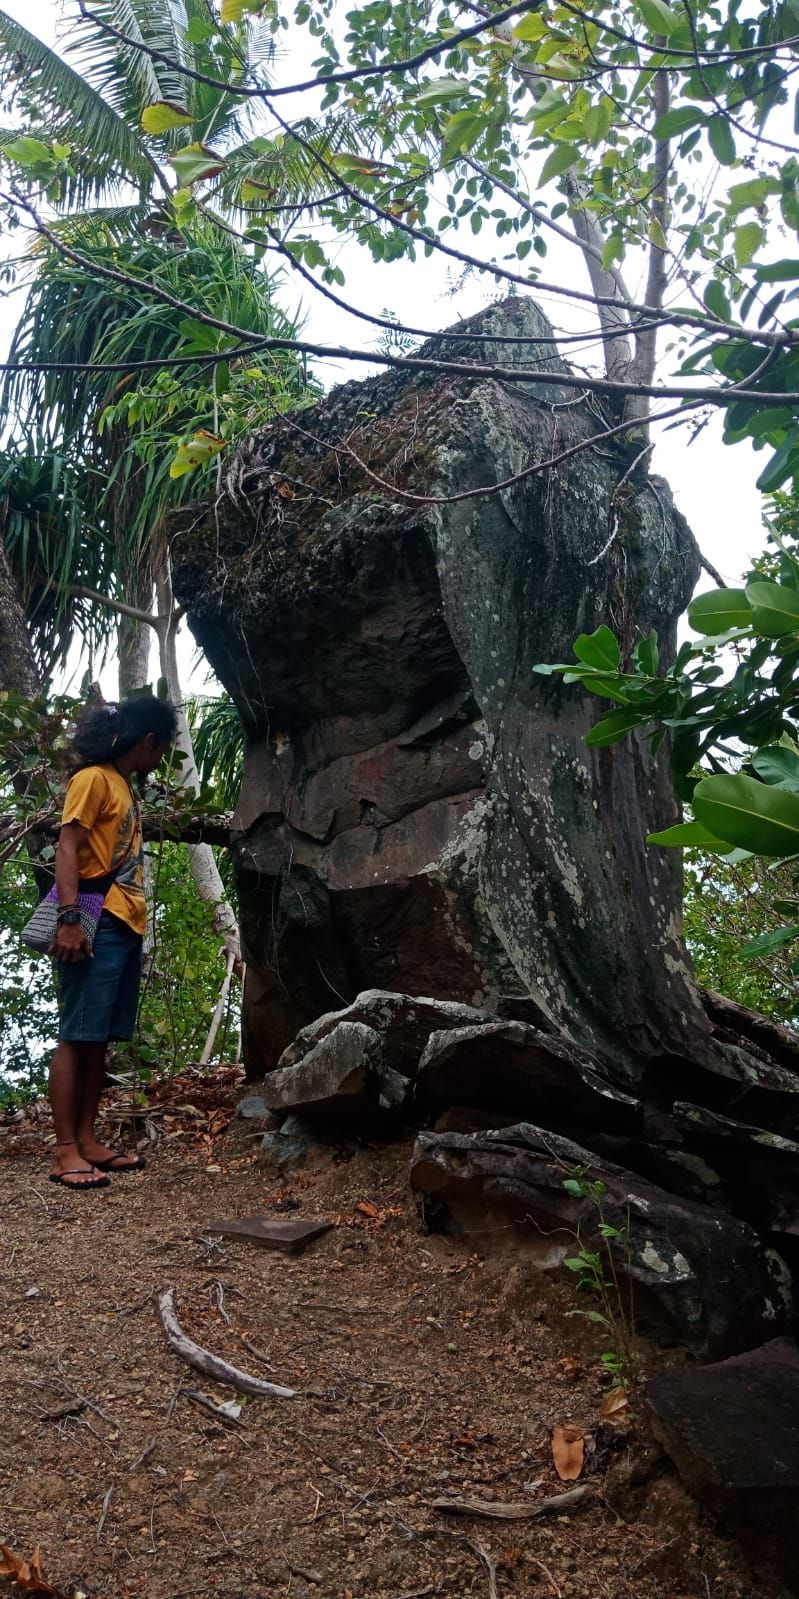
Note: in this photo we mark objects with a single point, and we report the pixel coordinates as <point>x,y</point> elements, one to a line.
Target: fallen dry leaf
<point>568,1452</point>
<point>616,1405</point>
<point>26,1574</point>
<point>366,1208</point>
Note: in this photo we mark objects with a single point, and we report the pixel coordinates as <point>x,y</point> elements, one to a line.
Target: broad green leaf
<point>254,193</point>
<point>749,814</point>
<point>659,18</point>
<point>462,132</point>
<point>614,727</point>
<point>767,943</point>
<point>719,610</point>
<point>27,152</point>
<point>196,162</point>
<point>599,649</point>
<point>721,140</point>
<point>677,121</point>
<point>558,160</point>
<point>746,241</point>
<point>441,89</point>
<point>777,764</point>
<point>784,463</point>
<point>647,654</point>
<point>164,115</point>
<point>197,452</point>
<point>778,272</point>
<point>234,10</point>
<point>598,119</point>
<point>753,192</point>
<point>687,835</point>
<point>530,27</point>
<point>775,608</point>
<point>716,301</point>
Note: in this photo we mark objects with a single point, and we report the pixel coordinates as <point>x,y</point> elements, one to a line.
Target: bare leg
<point>91,1087</point>
<point>65,1092</point>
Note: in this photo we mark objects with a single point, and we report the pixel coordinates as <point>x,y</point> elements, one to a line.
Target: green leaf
<point>677,121</point>
<point>784,463</point>
<point>559,160</point>
<point>598,119</point>
<point>194,163</point>
<point>686,835</point>
<point>753,192</point>
<point>575,1188</point>
<point>719,610</point>
<point>234,10</point>
<point>612,728</point>
<point>721,140</point>
<point>778,272</point>
<point>164,115</point>
<point>749,814</point>
<point>775,608</point>
<point>658,17</point>
<point>599,649</point>
<point>441,89</point>
<point>716,301</point>
<point>767,943</point>
<point>777,764</point>
<point>462,132</point>
<point>747,240</point>
<point>27,152</point>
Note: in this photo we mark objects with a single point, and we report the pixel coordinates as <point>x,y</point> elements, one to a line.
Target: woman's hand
<point>71,944</point>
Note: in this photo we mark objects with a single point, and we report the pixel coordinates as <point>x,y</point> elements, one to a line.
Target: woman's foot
<point>105,1159</point>
<point>72,1169</point>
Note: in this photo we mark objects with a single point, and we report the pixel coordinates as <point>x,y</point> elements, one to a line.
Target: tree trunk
<point>19,672</point>
<point>201,856</point>
<point>133,642</point>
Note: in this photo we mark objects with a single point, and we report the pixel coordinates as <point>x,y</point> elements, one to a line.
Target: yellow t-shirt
<point>102,801</point>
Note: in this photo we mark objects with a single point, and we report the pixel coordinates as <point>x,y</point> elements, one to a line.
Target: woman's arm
<point>70,943</point>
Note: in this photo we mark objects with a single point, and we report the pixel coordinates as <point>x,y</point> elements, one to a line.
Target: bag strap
<point>101,885</point>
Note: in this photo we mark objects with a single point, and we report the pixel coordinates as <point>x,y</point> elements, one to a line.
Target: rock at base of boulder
<point>253,1108</point>
<point>345,1075</point>
<point>287,1147</point>
<point>702,1277</point>
<point>511,1066</point>
<point>405,1022</point>
<point>732,1431</point>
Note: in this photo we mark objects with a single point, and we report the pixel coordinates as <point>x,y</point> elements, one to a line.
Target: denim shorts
<point>99,998</point>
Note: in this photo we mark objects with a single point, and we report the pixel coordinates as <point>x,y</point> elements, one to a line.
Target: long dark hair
<point>104,732</point>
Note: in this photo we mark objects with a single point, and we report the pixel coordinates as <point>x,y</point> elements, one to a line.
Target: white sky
<point>714,485</point>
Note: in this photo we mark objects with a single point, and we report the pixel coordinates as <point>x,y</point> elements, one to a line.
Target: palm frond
<point>126,76</point>
<point>46,89</point>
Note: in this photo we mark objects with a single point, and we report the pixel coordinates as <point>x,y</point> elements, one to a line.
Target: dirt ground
<point>423,1370</point>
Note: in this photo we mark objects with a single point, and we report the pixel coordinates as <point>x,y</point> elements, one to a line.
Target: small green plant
<point>597,1274</point>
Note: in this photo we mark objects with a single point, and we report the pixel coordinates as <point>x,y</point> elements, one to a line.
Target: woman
<point>99,986</point>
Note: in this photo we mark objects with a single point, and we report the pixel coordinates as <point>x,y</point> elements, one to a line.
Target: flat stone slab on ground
<point>291,1236</point>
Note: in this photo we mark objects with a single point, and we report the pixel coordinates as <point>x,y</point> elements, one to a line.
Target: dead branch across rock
<point>202,1359</point>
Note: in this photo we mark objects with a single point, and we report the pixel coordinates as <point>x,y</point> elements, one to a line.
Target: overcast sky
<point>713,485</point>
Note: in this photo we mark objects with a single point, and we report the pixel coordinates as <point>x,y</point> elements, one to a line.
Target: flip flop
<point>136,1164</point>
<point>78,1188</point>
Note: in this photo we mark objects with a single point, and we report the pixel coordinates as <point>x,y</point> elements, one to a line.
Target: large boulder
<point>419,810</point>
<point>702,1277</point>
<point>732,1431</point>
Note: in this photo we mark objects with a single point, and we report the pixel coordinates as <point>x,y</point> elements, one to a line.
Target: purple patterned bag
<point>40,931</point>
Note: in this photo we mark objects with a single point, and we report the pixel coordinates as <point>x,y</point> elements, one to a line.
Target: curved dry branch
<point>203,1360</point>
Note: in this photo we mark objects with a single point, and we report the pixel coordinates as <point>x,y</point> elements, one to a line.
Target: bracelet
<point>63,908</point>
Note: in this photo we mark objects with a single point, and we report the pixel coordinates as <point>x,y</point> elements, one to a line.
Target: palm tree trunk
<point>19,672</point>
<point>201,856</point>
